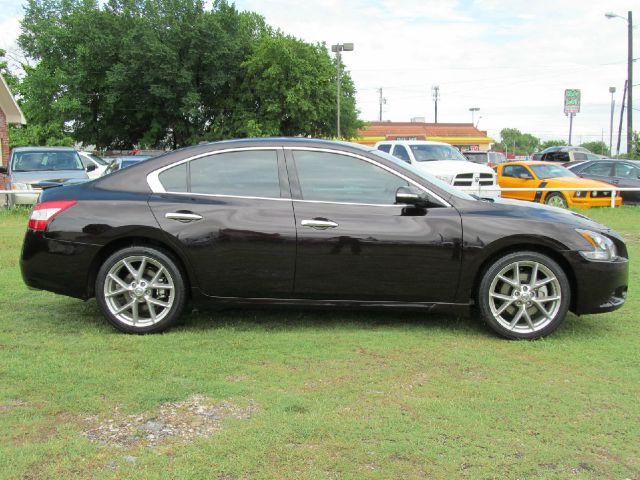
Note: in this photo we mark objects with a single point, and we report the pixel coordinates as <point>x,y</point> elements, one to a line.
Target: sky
<point>511,59</point>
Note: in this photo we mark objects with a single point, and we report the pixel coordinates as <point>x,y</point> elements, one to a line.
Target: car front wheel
<point>556,199</point>
<point>524,295</point>
<point>140,290</point>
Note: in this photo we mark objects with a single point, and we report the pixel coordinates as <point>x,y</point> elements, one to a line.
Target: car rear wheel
<point>140,290</point>
<point>524,295</point>
<point>556,199</point>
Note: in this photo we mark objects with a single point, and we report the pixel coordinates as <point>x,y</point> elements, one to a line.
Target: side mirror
<point>525,176</point>
<point>413,196</point>
<point>3,170</point>
<point>91,167</point>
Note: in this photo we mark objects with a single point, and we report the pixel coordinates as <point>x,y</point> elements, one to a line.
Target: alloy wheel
<point>139,291</point>
<point>525,297</point>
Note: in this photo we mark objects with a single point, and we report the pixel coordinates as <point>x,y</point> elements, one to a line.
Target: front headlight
<point>19,186</point>
<point>603,247</point>
<point>579,194</point>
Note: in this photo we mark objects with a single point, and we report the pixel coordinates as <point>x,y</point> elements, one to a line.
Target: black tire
<point>517,312</point>
<point>159,292</point>
<point>556,199</point>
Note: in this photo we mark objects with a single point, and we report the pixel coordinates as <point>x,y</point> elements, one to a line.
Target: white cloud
<point>513,59</point>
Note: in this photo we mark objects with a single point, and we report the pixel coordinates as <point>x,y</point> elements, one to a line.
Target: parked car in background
<point>303,222</point>
<point>490,159</point>
<point>550,175</point>
<point>94,165</point>
<point>117,163</point>
<point>28,166</point>
<point>566,154</point>
<point>621,173</point>
<point>446,163</point>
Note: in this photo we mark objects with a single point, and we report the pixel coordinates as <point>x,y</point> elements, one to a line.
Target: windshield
<point>429,153</point>
<point>551,171</point>
<point>39,161</point>
<point>403,166</point>
<point>477,157</point>
<point>97,159</point>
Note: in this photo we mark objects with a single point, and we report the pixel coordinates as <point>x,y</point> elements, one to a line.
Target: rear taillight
<point>44,212</point>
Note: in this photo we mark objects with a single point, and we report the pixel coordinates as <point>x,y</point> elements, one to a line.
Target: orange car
<point>552,175</point>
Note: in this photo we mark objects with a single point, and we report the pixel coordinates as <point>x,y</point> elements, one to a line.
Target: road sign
<point>572,100</point>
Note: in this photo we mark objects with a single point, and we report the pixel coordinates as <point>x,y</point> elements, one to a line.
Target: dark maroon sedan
<point>314,223</point>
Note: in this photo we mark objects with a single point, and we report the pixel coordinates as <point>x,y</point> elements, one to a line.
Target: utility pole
<point>630,83</point>
<point>624,93</point>
<point>382,102</point>
<point>612,90</point>
<point>436,96</point>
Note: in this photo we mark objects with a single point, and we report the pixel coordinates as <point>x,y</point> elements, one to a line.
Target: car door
<point>627,175</point>
<point>232,214</point>
<point>517,176</point>
<point>602,171</point>
<point>355,243</point>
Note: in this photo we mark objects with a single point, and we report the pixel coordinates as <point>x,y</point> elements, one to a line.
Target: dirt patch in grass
<point>186,420</point>
<point>12,405</point>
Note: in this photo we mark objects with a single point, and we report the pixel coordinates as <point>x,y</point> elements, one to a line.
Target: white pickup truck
<point>446,163</point>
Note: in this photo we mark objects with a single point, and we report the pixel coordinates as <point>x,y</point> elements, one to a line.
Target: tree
<point>552,143</point>
<point>170,73</point>
<point>598,147</point>
<point>514,141</point>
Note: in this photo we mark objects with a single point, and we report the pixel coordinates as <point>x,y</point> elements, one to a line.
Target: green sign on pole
<point>571,100</point>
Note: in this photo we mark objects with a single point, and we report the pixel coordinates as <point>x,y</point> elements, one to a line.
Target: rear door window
<point>250,173</point>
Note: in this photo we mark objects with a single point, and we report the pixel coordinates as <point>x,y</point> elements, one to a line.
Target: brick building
<point>9,113</point>
<point>464,136</point>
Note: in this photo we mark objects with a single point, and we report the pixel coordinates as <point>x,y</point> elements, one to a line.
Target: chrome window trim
<point>156,187</point>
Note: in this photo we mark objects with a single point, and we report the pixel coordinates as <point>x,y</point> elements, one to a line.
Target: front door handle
<point>183,216</point>
<point>318,224</point>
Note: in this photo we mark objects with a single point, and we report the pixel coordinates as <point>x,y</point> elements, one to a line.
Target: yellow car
<point>552,175</point>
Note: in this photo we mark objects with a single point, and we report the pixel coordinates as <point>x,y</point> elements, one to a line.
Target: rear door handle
<point>318,224</point>
<point>183,216</point>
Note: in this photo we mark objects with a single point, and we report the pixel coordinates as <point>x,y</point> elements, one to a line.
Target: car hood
<point>577,182</point>
<point>47,175</point>
<point>542,212</point>
<point>452,167</point>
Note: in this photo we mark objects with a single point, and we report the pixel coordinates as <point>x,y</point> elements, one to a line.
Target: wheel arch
<point>138,241</point>
<point>532,246</point>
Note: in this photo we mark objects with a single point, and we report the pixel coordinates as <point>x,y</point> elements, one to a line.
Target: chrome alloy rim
<point>139,291</point>
<point>525,297</point>
<point>557,201</point>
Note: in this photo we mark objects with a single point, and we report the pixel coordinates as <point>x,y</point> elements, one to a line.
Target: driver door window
<point>401,152</point>
<point>331,177</point>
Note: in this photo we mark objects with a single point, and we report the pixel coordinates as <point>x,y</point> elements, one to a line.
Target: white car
<point>446,163</point>
<point>93,164</point>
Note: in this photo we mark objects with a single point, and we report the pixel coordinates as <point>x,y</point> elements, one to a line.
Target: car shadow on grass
<point>87,316</point>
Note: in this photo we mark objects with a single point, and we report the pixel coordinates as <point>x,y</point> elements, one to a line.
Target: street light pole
<point>629,92</point>
<point>340,47</point>
<point>473,111</point>
<point>612,90</point>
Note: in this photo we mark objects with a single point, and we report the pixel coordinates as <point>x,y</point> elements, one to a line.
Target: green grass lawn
<point>299,394</point>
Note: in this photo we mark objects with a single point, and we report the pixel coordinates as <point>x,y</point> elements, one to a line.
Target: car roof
<point>413,142</point>
<point>529,162</point>
<point>44,149</point>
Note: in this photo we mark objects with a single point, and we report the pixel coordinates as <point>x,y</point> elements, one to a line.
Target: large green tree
<point>597,146</point>
<point>552,143</point>
<point>514,141</point>
<point>173,72</point>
